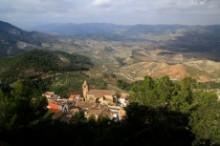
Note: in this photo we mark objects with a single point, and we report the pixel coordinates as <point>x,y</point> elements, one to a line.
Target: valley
<point>119,52</point>
<point>121,58</point>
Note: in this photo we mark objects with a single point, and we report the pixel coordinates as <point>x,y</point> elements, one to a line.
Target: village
<point>93,103</point>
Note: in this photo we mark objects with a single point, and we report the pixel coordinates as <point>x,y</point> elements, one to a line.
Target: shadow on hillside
<point>143,126</point>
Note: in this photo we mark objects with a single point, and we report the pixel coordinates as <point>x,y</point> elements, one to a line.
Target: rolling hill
<point>41,63</point>
<point>199,41</point>
<point>201,70</point>
<point>131,51</point>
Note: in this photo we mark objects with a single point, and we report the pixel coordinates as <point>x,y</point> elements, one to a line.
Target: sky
<point>28,13</point>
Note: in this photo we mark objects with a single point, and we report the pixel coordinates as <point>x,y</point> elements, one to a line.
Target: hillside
<point>204,41</point>
<point>41,63</point>
<point>201,70</point>
<point>14,40</point>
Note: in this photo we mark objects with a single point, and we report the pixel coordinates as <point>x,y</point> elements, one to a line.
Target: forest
<point>161,112</point>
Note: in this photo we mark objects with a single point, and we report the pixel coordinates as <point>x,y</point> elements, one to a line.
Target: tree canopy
<point>161,112</point>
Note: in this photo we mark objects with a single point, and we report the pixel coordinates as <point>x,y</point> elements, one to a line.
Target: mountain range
<point>108,31</point>
<point>129,52</point>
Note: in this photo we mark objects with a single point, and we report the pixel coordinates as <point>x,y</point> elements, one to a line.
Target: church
<point>97,95</point>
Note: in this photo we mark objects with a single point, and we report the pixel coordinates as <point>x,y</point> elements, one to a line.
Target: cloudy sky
<point>26,13</point>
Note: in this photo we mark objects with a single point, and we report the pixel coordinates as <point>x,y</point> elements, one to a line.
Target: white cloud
<point>101,3</point>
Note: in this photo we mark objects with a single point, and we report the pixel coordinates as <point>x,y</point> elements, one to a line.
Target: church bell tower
<point>85,89</point>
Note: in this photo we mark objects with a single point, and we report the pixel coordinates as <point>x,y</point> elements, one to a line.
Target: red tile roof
<point>53,107</point>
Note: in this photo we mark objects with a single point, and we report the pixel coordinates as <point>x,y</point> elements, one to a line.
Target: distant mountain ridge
<point>105,31</point>
<point>93,29</point>
<point>200,40</point>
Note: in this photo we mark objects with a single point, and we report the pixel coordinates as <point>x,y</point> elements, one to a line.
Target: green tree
<point>18,88</point>
<point>164,90</point>
<point>205,118</point>
<point>142,92</point>
<point>20,107</point>
<point>183,99</point>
